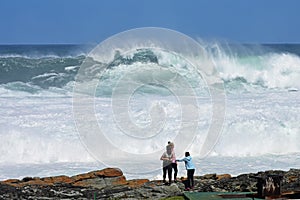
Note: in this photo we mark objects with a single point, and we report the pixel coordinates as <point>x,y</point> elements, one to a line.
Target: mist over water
<point>37,127</point>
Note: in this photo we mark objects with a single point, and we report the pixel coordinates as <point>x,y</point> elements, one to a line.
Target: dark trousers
<point>174,166</point>
<point>168,169</point>
<point>190,178</point>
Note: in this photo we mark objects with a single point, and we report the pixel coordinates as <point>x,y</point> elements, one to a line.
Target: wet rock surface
<point>110,183</point>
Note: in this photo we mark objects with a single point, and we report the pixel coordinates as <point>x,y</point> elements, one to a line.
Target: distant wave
<point>37,71</point>
<point>259,66</point>
<point>42,51</point>
<point>242,68</point>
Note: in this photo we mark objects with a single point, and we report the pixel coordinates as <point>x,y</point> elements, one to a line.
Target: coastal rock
<point>108,172</point>
<point>137,182</point>
<point>57,179</point>
<point>210,176</point>
<point>223,176</point>
<point>110,183</point>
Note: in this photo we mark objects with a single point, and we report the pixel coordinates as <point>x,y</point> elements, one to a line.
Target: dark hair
<point>187,154</point>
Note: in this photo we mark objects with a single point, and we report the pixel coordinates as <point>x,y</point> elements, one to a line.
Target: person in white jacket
<point>167,158</point>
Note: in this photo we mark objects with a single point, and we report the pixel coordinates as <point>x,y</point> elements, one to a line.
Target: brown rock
<point>57,179</point>
<point>113,176</point>
<point>119,181</point>
<point>81,184</point>
<point>25,181</point>
<point>209,176</point>
<point>81,177</point>
<point>292,179</point>
<point>109,172</point>
<point>137,182</point>
<point>98,179</point>
<point>11,181</point>
<point>223,176</point>
<point>34,181</point>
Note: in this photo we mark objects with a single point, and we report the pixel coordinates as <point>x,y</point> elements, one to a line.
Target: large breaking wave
<point>242,68</point>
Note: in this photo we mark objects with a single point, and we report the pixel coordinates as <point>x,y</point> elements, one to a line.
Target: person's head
<point>171,144</point>
<point>187,154</point>
<point>169,149</point>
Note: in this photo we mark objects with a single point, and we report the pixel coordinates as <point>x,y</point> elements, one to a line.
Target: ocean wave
<point>242,69</point>
<point>271,70</point>
<point>44,51</point>
<point>37,71</point>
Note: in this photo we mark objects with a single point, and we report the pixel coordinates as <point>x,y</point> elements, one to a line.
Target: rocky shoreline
<point>110,183</point>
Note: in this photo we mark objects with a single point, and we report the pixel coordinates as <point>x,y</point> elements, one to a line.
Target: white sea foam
<point>41,130</point>
<point>261,129</point>
<point>266,69</point>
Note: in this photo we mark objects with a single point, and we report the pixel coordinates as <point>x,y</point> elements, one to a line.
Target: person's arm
<point>163,157</point>
<point>181,160</point>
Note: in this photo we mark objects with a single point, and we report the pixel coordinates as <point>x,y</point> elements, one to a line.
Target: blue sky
<point>91,21</point>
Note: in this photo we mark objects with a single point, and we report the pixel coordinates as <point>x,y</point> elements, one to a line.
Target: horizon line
<point>40,44</point>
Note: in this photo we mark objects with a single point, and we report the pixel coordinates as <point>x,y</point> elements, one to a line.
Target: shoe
<point>164,181</point>
<point>187,189</point>
<point>175,181</point>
